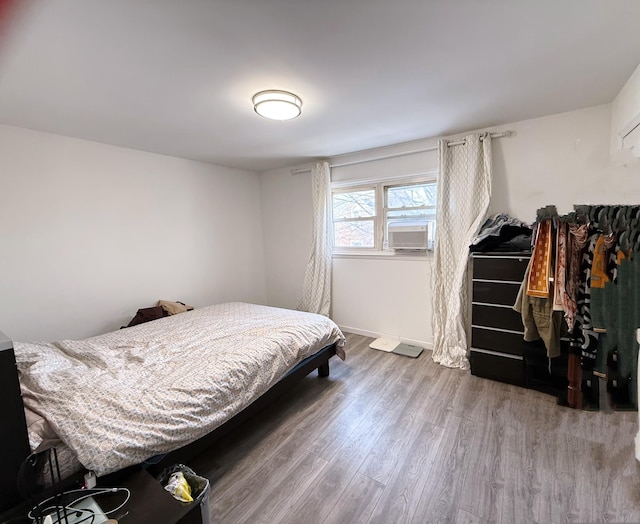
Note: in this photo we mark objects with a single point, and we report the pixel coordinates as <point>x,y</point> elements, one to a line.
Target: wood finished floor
<point>389,439</point>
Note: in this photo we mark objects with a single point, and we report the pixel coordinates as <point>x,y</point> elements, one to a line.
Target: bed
<point>118,399</point>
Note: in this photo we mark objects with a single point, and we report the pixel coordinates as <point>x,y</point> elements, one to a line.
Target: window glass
<point>412,195</point>
<point>354,204</point>
<point>356,233</point>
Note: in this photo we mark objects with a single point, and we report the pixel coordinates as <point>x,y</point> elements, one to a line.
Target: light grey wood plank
<point>555,476</point>
<point>335,478</point>
<point>378,367</point>
<point>465,517</point>
<point>443,488</point>
<point>489,405</point>
<point>620,481</point>
<point>355,504</point>
<point>391,446</point>
<point>439,401</point>
<point>402,494</point>
<point>524,498</point>
<point>253,493</point>
<point>406,375</point>
<point>280,505</point>
<point>330,439</point>
<point>389,387</point>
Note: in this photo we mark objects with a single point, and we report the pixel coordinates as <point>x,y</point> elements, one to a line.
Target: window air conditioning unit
<point>404,235</point>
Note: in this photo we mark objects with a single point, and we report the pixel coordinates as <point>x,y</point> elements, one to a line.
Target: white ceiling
<point>176,77</point>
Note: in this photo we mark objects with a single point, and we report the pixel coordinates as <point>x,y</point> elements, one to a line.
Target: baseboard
<point>374,334</point>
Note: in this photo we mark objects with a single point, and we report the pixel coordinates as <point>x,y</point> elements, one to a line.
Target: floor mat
<point>393,346</point>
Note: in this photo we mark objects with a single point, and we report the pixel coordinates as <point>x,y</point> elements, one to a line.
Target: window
<point>362,213</point>
<point>354,216</point>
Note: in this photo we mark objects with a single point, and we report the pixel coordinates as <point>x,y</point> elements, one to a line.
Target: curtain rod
<point>403,153</point>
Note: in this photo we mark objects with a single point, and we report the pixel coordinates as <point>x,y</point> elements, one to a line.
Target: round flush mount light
<point>277,105</point>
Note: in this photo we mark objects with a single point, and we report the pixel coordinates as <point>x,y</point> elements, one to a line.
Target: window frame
<point>355,189</point>
<point>380,186</point>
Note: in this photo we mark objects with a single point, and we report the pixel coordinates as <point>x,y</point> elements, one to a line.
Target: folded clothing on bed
<point>119,398</point>
<point>173,308</point>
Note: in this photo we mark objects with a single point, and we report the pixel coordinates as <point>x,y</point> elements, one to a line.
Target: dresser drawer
<point>497,367</point>
<point>499,341</point>
<point>504,293</point>
<point>510,268</point>
<point>496,316</point>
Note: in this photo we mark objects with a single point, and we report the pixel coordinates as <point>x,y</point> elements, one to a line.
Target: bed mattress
<point>119,398</point>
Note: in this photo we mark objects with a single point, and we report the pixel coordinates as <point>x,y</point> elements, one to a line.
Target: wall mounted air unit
<point>404,235</point>
<point>625,122</point>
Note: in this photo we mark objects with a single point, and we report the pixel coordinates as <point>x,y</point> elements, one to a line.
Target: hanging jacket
<point>538,317</point>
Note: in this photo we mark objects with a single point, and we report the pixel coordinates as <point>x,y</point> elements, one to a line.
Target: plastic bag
<point>179,487</point>
<point>199,485</point>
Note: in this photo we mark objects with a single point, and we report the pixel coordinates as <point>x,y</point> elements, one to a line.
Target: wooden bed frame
<point>14,443</point>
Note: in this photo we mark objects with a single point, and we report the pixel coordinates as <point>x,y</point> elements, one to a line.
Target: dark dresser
<point>498,349</point>
<point>497,333</point>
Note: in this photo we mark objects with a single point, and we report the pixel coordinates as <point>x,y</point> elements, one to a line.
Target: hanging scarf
<point>538,283</point>
<point>559,279</point>
<point>578,235</point>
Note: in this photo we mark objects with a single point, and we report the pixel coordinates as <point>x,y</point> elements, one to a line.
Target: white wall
<point>560,159</point>
<point>90,233</point>
<point>384,298</point>
<point>287,222</point>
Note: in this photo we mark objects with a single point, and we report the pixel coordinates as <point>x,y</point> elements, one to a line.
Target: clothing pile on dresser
<point>503,233</point>
<point>583,282</point>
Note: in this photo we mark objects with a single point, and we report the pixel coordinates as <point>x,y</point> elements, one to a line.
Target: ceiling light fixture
<point>277,105</point>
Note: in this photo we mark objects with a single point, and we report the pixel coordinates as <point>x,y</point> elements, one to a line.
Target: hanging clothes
<point>577,240</point>
<point>599,279</point>
<point>560,272</point>
<point>626,338</point>
<point>608,337</point>
<point>592,257</point>
<point>541,269</point>
<point>538,317</point>
<point>588,337</point>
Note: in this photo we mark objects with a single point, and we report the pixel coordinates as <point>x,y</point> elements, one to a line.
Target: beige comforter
<point>120,398</point>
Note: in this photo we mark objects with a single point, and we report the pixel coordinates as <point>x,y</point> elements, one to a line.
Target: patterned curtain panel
<point>464,192</point>
<point>316,290</point>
